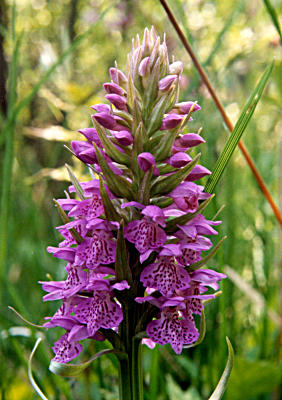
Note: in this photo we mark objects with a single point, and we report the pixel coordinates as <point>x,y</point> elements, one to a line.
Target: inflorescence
<point>134,233</point>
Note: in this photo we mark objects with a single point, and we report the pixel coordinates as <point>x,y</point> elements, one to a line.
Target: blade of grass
<point>222,384</point>
<point>238,131</point>
<point>272,13</point>
<point>220,107</point>
<point>32,381</point>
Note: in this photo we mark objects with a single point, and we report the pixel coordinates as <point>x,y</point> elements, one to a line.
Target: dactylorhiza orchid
<point>134,235</point>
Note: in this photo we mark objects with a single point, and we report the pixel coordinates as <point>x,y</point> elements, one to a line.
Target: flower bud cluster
<point>133,235</point>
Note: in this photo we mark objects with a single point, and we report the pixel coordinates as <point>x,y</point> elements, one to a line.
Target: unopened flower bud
<point>179,160</point>
<point>84,151</point>
<point>118,101</point>
<point>145,162</point>
<point>176,68</point>
<point>166,82</point>
<point>197,172</point>
<point>105,119</point>
<point>91,135</point>
<point>118,77</point>
<point>124,138</point>
<point>171,121</point>
<point>185,107</point>
<point>191,140</point>
<point>111,87</point>
<point>144,67</point>
<point>101,108</point>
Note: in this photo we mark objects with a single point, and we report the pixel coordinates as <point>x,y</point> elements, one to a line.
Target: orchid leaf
<point>109,208</point>
<point>122,267</point>
<point>118,185</point>
<point>222,384</point>
<point>171,225</point>
<point>238,131</point>
<point>65,219</point>
<point>205,259</point>
<point>162,202</point>
<point>156,116</point>
<point>167,183</point>
<point>152,89</point>
<point>109,147</point>
<point>75,183</point>
<point>143,195</point>
<point>30,375</point>
<point>68,369</point>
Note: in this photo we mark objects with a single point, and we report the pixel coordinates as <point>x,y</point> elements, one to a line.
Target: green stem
<point>124,378</point>
<point>136,370</point>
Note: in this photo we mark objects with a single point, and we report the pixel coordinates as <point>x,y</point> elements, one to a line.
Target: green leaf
<point>271,11</point>
<point>222,384</point>
<point>151,91</point>
<point>205,259</point>
<point>76,369</point>
<point>156,117</point>
<point>110,148</point>
<point>162,202</point>
<point>75,183</point>
<point>238,131</point>
<point>122,267</point>
<point>171,225</point>
<point>143,195</point>
<point>65,219</point>
<point>167,183</point>
<point>110,211</point>
<point>117,184</point>
<point>30,375</point>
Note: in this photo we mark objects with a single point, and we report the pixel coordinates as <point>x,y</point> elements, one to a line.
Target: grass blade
<point>32,381</point>
<point>272,13</point>
<point>238,131</point>
<point>222,384</point>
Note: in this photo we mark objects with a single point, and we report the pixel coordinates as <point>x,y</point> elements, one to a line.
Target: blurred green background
<point>234,41</point>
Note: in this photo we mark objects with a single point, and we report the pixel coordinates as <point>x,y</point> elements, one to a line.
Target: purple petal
<point>197,172</point>
<point>66,351</point>
<point>165,276</point>
<point>64,253</point>
<point>155,213</point>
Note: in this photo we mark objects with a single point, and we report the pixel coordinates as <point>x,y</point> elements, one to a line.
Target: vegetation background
<point>45,98</point>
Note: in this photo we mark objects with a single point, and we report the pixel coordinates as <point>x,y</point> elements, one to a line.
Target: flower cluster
<point>133,235</point>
